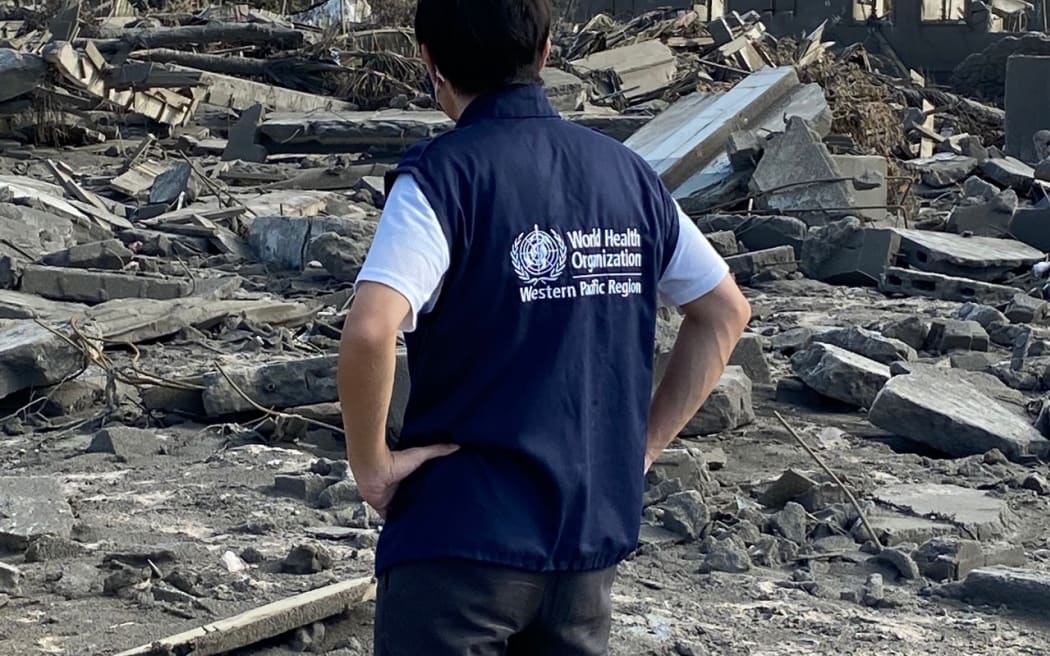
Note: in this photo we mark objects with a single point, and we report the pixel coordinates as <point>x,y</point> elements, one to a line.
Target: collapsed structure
<point>186,197</point>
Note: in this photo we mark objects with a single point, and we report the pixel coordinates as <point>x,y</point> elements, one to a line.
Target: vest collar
<point>514,101</point>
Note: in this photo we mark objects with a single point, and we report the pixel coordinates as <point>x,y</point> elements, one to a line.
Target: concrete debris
<point>868,343</point>
<point>31,507</point>
<point>1008,172</point>
<point>946,288</point>
<point>912,331</point>
<point>954,335</point>
<point>641,68</point>
<point>1024,589</point>
<point>686,514</point>
<point>307,559</point>
<point>951,559</point>
<point>750,356</point>
<point>943,169</point>
<point>991,218</point>
<point>727,408</point>
<point>952,416</point>
<point>128,444</point>
<point>840,374</point>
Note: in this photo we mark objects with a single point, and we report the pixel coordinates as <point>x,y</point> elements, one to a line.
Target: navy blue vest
<point>537,357</point>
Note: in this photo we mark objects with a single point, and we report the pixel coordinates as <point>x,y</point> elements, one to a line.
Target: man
<point>523,257</point>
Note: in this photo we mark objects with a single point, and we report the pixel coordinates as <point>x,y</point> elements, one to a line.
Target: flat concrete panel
<point>1027,104</point>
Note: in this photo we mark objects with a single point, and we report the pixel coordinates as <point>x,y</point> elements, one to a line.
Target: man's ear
<point>545,55</point>
<point>428,61</point>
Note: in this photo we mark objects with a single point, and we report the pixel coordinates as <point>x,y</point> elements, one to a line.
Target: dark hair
<point>482,45</point>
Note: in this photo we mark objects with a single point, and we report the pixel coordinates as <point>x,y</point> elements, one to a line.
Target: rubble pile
<point>187,194</point>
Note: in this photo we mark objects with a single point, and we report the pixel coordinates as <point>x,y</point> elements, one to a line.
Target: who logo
<point>538,255</point>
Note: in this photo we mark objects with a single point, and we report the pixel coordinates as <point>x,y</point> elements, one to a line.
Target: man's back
<point>536,356</point>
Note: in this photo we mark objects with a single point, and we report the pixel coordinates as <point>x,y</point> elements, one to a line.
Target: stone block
<point>31,356</point>
<point>840,374</point>
<point>1026,105</point>
<point>975,187</point>
<point>724,242</point>
<point>687,466</point>
<point>90,286</point>
<point>30,507</point>
<point>943,169</point>
<point>172,183</point>
<point>1027,309</point>
<point>1008,172</point>
<point>565,91</point>
<point>340,256</point>
<point>750,356</point>
<point>871,200</point>
<point>1032,226</point>
<point>973,360</point>
<point>910,330</point>
<point>686,514</point>
<point>108,254</point>
<point>978,258</point>
<point>727,408</point>
<point>744,148</point>
<point>987,219</point>
<point>305,487</point>
<point>953,416</point>
<point>748,265</point>
<point>954,335</point>
<point>868,343</point>
<point>282,241</point>
<point>10,579</point>
<point>844,253</point>
<point>799,156</point>
<point>128,444</point>
<point>1023,589</point>
<point>758,233</point>
<point>952,558</point>
<point>909,282</point>
<point>985,315</point>
<point>974,511</point>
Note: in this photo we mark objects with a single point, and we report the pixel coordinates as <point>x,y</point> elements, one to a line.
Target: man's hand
<point>378,485</point>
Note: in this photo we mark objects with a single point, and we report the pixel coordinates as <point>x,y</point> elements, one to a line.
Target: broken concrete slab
<point>1012,400</point>
<point>748,265</point>
<point>724,242</point>
<point>840,374</point>
<point>975,511</point>
<point>758,233</point>
<point>643,67</point>
<point>952,558</point>
<point>18,305</point>
<point>1025,110</point>
<point>30,507</point>
<point>1008,172</point>
<point>943,169</point>
<point>896,529</point>
<point>109,254</point>
<point>1027,309</point>
<point>1024,589</point>
<point>750,356</point>
<point>340,256</point>
<point>172,183</point>
<point>90,286</point>
<point>127,443</point>
<point>979,189</point>
<point>868,343</point>
<point>910,330</point>
<point>946,288</point>
<point>844,253</point>
<point>793,173</point>
<point>948,335</point>
<point>978,258</point>
<point>686,143</point>
<point>952,416</point>
<point>275,385</point>
<point>988,219</point>
<point>33,356</point>
<point>240,144</point>
<point>282,241</point>
<point>20,73</point>
<point>869,202</point>
<point>565,91</point>
<point>729,407</point>
<point>973,360</point>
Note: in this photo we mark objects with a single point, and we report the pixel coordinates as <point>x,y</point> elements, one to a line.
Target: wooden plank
<point>138,179</point>
<point>266,621</point>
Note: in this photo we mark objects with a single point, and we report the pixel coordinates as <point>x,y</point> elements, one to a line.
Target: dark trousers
<point>466,608</point>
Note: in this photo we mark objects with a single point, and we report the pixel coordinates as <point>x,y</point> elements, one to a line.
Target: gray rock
<point>48,548</point>
<point>944,169</point>
<point>687,466</point>
<point>973,360</point>
<point>306,487</point>
<point>1008,172</point>
<point>724,242</point>
<point>985,315</point>
<point>729,406</point>
<point>949,414</point>
<point>657,493</point>
<point>108,254</point>
<point>21,73</point>
<point>1027,309</point>
<point>1037,484</point>
<point>285,242</point>
<point>874,590</point>
<point>128,444</point>
<point>174,181</point>
<point>954,335</point>
<point>726,556</point>
<point>78,581</point>
<point>911,330</point>
<point>988,219</point>
<point>750,356</point>
<point>120,582</point>
<point>30,507</point>
<point>952,558</point>
<point>10,577</point>
<point>358,516</point>
<point>307,559</point>
<point>772,551</point>
<point>868,343</point>
<point>339,494</point>
<point>340,256</point>
<point>760,232</point>
<point>308,638</point>
<point>686,514</point>
<point>32,356</point>
<point>901,560</point>
<point>840,374</point>
<point>1024,589</point>
<point>975,187</point>
<point>792,522</point>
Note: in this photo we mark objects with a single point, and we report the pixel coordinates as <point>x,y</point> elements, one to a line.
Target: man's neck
<point>459,105</point>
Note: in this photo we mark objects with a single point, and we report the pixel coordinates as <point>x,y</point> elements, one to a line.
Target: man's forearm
<point>365,380</point>
<point>698,360</point>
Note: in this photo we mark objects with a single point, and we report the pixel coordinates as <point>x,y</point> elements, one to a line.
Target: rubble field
<point>186,196</point>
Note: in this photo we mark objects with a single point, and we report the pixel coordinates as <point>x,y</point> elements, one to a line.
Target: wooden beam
<point>266,621</point>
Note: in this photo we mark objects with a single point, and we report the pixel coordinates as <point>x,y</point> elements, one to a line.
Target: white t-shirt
<point>411,255</point>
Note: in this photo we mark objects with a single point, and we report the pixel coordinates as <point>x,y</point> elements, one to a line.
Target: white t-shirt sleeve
<point>695,267</point>
<point>410,252</point>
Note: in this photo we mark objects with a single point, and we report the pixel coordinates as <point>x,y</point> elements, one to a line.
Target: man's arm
<point>365,377</point>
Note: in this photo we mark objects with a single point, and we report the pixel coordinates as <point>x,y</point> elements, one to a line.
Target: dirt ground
<point>211,491</point>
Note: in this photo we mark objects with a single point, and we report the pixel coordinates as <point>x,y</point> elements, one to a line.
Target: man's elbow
<point>363,333</point>
<point>739,312</point>
<point>724,308</point>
